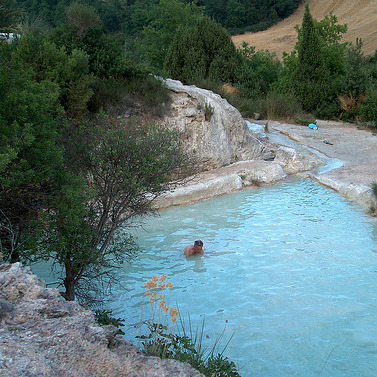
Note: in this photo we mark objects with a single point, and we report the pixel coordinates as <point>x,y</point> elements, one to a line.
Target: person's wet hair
<point>198,243</point>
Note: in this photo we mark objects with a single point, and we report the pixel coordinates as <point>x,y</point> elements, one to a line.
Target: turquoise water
<point>291,267</point>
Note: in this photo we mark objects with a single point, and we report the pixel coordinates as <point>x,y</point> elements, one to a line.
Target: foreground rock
<point>42,335</point>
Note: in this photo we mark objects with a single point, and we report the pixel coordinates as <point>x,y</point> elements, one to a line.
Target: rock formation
<point>217,136</point>
<point>230,155</point>
<point>42,335</point>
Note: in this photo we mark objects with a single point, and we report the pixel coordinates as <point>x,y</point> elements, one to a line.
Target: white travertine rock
<point>294,161</point>
<point>361,194</point>
<point>222,181</point>
<point>219,141</point>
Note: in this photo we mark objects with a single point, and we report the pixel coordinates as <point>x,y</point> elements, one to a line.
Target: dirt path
<point>359,15</point>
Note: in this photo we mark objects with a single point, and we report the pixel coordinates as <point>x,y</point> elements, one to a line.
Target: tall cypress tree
<point>310,75</point>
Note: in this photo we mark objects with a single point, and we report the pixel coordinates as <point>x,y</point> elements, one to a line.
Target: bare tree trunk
<point>69,284</point>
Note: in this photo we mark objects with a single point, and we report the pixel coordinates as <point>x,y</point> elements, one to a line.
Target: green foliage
<point>69,70</point>
<point>166,17</point>
<point>9,16</point>
<point>84,17</point>
<point>279,106</point>
<point>29,154</point>
<point>310,76</point>
<point>131,16</point>
<point>248,15</point>
<point>116,169</point>
<point>202,51</point>
<point>374,189</point>
<point>314,69</point>
<point>259,71</point>
<point>208,111</point>
<point>356,78</point>
<point>78,96</point>
<point>368,110</point>
<point>330,35</point>
<point>160,342</point>
<point>105,317</point>
<point>304,118</point>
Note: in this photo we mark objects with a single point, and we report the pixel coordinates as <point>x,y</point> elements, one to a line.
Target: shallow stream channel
<point>289,270</point>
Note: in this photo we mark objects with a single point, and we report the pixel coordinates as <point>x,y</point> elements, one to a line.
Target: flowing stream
<point>289,269</point>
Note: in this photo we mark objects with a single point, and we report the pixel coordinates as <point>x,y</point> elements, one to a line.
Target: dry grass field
<point>359,15</point>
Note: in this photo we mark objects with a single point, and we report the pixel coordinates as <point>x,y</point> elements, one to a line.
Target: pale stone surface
<point>223,181</point>
<point>42,335</point>
<point>294,161</point>
<point>220,141</point>
<point>220,144</point>
<point>356,148</point>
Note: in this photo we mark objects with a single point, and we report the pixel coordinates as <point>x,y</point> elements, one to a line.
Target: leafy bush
<point>84,17</point>
<point>368,110</point>
<point>202,51</point>
<point>259,71</point>
<point>280,106</point>
<point>105,317</point>
<point>304,118</point>
<point>107,94</point>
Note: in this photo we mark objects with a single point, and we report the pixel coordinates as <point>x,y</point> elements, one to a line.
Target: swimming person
<point>197,248</point>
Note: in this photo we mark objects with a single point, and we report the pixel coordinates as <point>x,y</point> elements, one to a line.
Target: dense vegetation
<point>132,15</point>
<point>72,171</point>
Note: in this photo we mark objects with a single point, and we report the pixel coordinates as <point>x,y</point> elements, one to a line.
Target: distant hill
<point>359,15</point>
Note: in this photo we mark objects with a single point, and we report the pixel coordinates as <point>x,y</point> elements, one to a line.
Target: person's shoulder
<point>188,250</point>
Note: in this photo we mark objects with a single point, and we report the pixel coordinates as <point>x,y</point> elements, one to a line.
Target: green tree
<point>118,170</point>
<point>356,77</point>
<point>166,17</point>
<point>310,76</point>
<point>202,51</point>
<point>29,155</point>
<point>10,16</point>
<point>84,17</point>
<point>259,71</point>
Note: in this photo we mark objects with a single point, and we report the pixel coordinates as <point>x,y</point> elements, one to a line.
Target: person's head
<point>198,243</point>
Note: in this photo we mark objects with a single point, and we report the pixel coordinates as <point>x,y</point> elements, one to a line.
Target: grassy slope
<point>359,15</point>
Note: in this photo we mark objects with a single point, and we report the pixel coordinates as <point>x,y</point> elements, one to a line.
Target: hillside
<point>359,15</point>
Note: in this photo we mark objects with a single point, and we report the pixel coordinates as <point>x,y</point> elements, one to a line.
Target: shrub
<point>304,118</point>
<point>105,317</point>
<point>107,93</point>
<point>84,17</point>
<point>208,111</point>
<point>202,51</point>
<point>368,110</point>
<point>79,94</point>
<point>280,106</point>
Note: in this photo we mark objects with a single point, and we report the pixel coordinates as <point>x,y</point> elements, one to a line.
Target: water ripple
<point>292,267</point>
